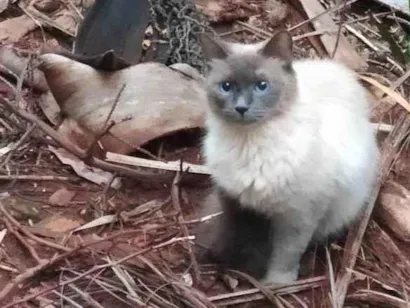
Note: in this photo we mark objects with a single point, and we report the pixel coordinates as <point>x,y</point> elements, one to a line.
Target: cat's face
<point>252,86</point>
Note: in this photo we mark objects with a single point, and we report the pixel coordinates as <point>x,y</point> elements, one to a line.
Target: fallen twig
<point>85,296</point>
<point>148,163</point>
<point>18,144</point>
<point>36,178</point>
<point>339,31</point>
<point>255,293</point>
<point>371,45</point>
<point>263,289</point>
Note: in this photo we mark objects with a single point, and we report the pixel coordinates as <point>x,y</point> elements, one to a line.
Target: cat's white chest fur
<point>322,151</point>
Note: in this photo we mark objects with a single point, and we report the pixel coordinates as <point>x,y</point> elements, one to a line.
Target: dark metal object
<point>111,34</point>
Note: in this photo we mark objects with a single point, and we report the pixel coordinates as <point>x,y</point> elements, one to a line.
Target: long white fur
<point>318,159</point>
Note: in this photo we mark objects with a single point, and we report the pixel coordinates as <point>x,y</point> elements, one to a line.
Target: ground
<point>144,259</point>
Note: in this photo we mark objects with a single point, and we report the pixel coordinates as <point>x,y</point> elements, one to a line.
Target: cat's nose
<point>241,109</point>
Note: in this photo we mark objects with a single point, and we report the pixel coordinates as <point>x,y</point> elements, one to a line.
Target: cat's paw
<point>280,277</point>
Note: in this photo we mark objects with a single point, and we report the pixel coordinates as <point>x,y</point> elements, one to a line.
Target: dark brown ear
<point>213,49</point>
<point>279,46</point>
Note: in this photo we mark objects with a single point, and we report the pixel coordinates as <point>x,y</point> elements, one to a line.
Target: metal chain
<point>179,23</point>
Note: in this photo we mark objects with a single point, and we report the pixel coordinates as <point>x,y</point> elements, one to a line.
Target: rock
<point>401,5</point>
<point>3,5</point>
<point>156,100</point>
<point>13,29</point>
<point>393,209</point>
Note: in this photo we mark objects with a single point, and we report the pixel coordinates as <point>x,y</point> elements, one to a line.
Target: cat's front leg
<point>291,236</point>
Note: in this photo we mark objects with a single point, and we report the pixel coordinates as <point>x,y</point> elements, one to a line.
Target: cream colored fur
<point>311,169</point>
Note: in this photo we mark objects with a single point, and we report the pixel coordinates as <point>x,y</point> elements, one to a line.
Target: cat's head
<point>248,84</point>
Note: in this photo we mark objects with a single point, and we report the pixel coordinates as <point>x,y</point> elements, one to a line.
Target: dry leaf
<point>13,29</point>
<point>108,219</point>
<point>22,209</point>
<point>103,220</point>
<point>63,21</point>
<point>59,224</point>
<point>393,94</point>
<point>61,197</point>
<point>394,209</point>
<point>92,174</point>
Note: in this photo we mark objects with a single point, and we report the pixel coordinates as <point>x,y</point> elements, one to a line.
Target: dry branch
<point>390,149</point>
<point>175,192</point>
<point>80,153</point>
<point>255,294</point>
<point>378,298</point>
<point>23,241</point>
<point>148,163</point>
<point>35,178</point>
<point>33,271</point>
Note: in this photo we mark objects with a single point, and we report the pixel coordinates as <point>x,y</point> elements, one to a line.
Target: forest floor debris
<point>93,243</point>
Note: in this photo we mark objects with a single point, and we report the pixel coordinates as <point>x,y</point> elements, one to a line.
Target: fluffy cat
<point>291,151</point>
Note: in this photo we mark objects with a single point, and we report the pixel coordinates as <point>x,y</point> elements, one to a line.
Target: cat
<point>292,154</point>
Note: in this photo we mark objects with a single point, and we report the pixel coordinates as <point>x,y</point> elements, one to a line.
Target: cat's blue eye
<point>261,87</point>
<point>225,86</point>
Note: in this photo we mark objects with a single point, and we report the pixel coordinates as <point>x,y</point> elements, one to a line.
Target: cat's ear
<point>212,48</point>
<point>279,46</point>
